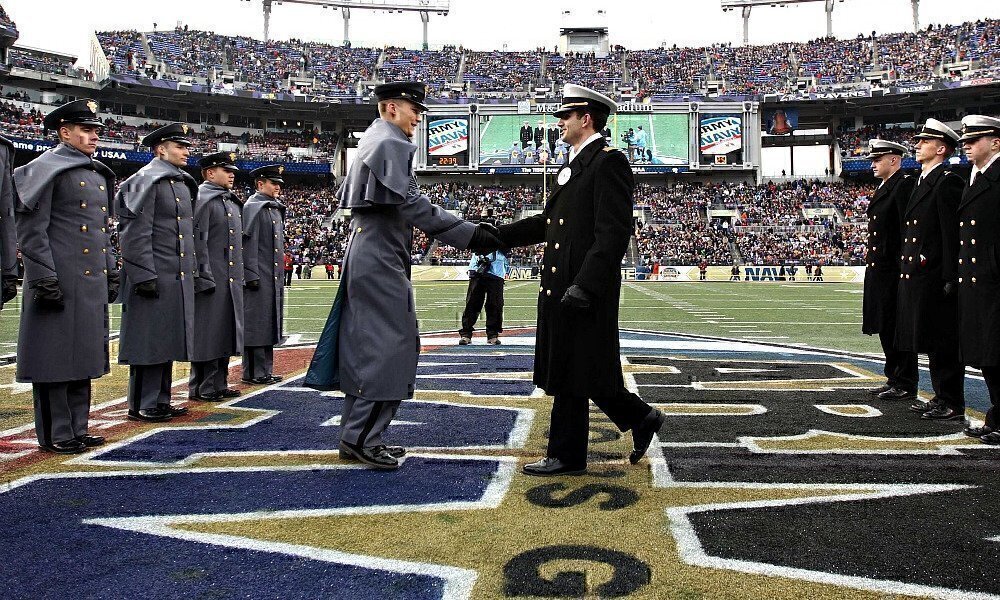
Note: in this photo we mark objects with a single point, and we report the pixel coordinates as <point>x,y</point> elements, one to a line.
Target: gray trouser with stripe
<point>149,385</point>
<point>62,410</point>
<point>208,377</point>
<point>258,361</point>
<point>363,422</point>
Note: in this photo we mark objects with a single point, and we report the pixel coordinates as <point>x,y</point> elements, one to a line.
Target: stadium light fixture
<point>746,5</point>
<point>423,7</point>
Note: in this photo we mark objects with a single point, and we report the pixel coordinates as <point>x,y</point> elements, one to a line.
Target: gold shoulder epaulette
<point>610,148</point>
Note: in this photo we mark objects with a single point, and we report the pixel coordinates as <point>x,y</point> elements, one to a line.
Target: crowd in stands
<point>5,20</point>
<point>743,70</point>
<point>854,142</point>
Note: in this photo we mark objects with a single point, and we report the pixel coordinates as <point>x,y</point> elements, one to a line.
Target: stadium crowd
<point>742,70</point>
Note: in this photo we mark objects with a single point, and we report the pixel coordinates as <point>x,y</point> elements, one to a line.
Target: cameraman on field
<point>486,281</point>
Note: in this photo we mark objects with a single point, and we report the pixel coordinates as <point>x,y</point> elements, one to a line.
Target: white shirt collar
<point>573,151</point>
<point>976,170</point>
<point>929,171</point>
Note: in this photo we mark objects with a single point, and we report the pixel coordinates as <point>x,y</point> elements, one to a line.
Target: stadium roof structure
<point>747,5</point>
<point>423,7</point>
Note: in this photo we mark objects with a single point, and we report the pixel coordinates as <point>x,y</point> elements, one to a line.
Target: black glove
<point>147,289</point>
<point>47,294</point>
<point>114,284</point>
<point>576,297</point>
<point>484,240</point>
<point>9,288</point>
<point>949,289</point>
<point>253,285</point>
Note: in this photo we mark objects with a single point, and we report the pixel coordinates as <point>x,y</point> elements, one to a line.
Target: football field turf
<point>776,474</point>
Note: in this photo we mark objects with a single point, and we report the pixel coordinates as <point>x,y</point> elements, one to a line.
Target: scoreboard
<point>524,138</point>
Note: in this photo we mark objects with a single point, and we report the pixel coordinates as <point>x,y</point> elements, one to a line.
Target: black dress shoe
<point>230,393</point>
<point>274,378</point>
<point>879,389</point>
<point>977,432</point>
<point>643,433</point>
<point>258,380</point>
<point>210,397</point>
<point>67,447</point>
<point>393,451</point>
<point>373,456</point>
<point>943,413</point>
<point>547,467</point>
<point>91,440</point>
<point>173,411</point>
<point>921,407</point>
<point>992,438</point>
<point>152,415</point>
<point>896,394</point>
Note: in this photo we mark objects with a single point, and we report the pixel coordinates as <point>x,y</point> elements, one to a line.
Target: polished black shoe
<point>879,389</point>
<point>943,413</point>
<point>67,447</point>
<point>977,432</point>
<point>393,451</point>
<point>548,467</point>
<point>91,440</point>
<point>274,378</point>
<point>921,406</point>
<point>231,393</point>
<point>896,394</point>
<point>211,397</point>
<point>153,415</point>
<point>173,411</point>
<point>258,380</point>
<point>374,456</point>
<point>642,434</point>
<point>992,438</point>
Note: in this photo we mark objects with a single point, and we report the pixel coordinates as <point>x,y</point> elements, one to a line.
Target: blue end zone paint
<point>492,366</point>
<point>297,427</point>
<point>50,553</point>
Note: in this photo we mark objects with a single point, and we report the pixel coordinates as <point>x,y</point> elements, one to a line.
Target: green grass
<point>821,315</point>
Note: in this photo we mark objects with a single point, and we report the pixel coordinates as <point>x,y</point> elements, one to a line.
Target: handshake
<point>486,239</point>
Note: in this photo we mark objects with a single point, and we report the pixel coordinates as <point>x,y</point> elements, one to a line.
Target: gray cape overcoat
<point>263,261</point>
<point>218,226</point>
<point>156,227</point>
<point>62,228</point>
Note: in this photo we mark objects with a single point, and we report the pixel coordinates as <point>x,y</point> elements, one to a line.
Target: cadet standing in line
<point>885,219</point>
<point>218,288</point>
<point>263,264</point>
<point>70,277</point>
<point>586,226</point>
<point>156,225</point>
<point>979,263</point>
<point>927,314</point>
<point>370,344</point>
<point>8,233</point>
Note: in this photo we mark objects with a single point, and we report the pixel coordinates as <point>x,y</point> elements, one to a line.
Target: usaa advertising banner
<point>448,142</point>
<point>721,139</point>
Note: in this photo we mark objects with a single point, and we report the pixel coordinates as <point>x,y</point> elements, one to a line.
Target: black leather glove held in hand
<point>576,297</point>
<point>114,284</point>
<point>253,285</point>
<point>147,289</point>
<point>47,294</point>
<point>9,288</point>
<point>949,289</point>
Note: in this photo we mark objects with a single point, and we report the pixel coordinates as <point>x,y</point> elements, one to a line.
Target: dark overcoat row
<point>585,226</point>
<point>927,319</point>
<point>979,269</point>
<point>885,217</point>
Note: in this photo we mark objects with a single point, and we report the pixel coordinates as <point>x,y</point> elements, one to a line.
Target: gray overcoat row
<point>156,228</point>
<point>8,234</point>
<point>263,261</point>
<point>63,230</point>
<point>218,227</point>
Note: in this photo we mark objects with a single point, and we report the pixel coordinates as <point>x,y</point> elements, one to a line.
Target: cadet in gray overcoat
<point>218,301</point>
<point>264,265</point>
<point>8,234</point>
<point>376,340</point>
<point>69,268</point>
<point>156,225</point>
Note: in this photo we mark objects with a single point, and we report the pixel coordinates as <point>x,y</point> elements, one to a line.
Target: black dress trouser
<point>569,431</point>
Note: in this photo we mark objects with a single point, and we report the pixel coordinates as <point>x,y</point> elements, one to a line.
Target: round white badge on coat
<point>563,176</point>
